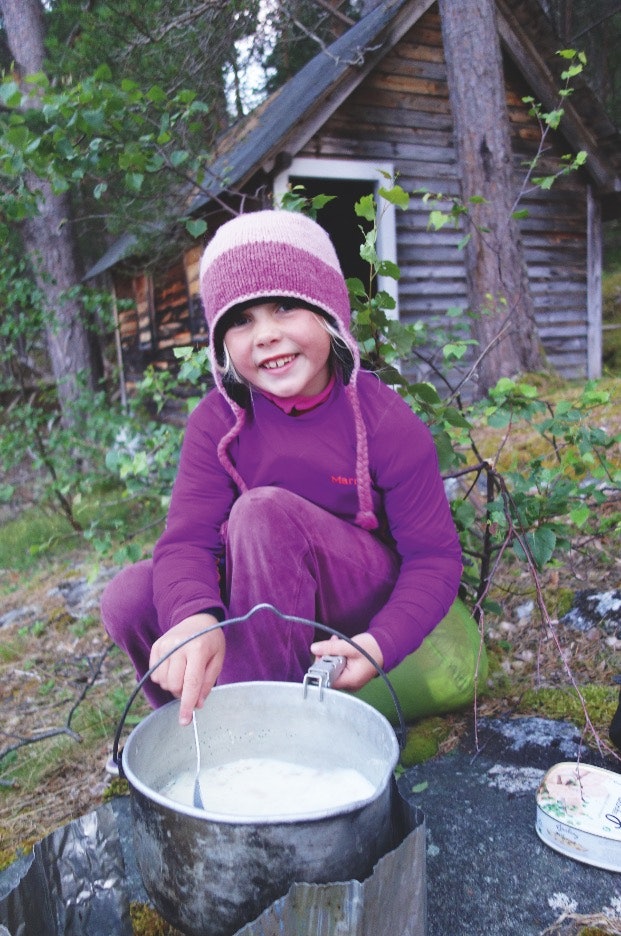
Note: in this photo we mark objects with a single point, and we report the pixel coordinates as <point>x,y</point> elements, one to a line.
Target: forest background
<point>120,114</point>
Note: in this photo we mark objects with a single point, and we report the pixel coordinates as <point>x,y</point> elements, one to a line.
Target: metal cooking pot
<point>208,874</point>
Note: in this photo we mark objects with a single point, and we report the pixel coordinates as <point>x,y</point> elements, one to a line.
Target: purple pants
<point>281,550</point>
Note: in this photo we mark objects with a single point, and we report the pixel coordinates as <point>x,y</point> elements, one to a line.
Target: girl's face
<point>284,351</point>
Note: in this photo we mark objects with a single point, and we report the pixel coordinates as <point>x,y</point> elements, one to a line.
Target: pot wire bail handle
<point>117,756</point>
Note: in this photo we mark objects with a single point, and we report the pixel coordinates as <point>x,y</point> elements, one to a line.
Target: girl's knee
<point>259,504</point>
<point>127,598</point>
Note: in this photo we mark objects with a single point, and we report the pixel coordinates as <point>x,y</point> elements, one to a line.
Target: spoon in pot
<point>197,799</point>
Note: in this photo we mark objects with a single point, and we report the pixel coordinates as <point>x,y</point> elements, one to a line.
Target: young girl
<point>309,481</point>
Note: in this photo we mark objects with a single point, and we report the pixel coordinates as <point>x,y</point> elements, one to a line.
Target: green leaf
<point>580,515</point>
<point>528,390</point>
<point>157,95</point>
<point>102,74</point>
<point>134,180</point>
<point>437,219</point>
<point>388,268</point>
<point>464,514</point>
<point>319,201</point>
<point>365,208</point>
<point>553,118</point>
<point>455,351</point>
<point>545,182</point>
<point>455,418</point>
<point>10,94</point>
<point>505,385</point>
<point>179,157</point>
<point>196,227</point>
<point>396,196</point>
<point>425,391</point>
<point>356,287</point>
<point>129,86</point>
<point>444,448</point>
<point>94,120</point>
<point>571,72</point>
<point>541,543</point>
<point>18,137</point>
<point>6,493</point>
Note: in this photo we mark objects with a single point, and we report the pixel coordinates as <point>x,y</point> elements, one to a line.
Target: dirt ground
<point>62,691</point>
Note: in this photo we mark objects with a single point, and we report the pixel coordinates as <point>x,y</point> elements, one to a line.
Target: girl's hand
<point>358,671</point>
<point>191,672</point>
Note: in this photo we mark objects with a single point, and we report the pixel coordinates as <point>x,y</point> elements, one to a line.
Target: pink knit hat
<point>272,253</point>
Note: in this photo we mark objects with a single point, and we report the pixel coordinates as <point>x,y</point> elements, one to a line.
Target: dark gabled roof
<point>289,117</point>
<point>292,114</point>
<point>292,111</point>
<point>120,249</point>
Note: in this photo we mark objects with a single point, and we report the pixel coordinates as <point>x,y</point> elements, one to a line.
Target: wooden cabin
<point>375,106</point>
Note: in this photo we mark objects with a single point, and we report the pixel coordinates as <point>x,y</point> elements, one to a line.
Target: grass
<point>611,315</point>
<point>41,533</point>
<point>36,528</point>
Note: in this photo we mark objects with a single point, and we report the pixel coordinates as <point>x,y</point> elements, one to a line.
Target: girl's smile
<point>279,348</point>
<point>278,362</point>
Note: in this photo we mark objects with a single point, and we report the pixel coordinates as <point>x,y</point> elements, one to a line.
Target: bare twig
<point>88,685</point>
<point>47,733</point>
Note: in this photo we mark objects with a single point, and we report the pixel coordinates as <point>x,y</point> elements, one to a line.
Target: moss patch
<point>9,855</point>
<point>424,739</point>
<point>146,922</point>
<point>564,704</point>
<point>116,787</point>
<point>559,601</point>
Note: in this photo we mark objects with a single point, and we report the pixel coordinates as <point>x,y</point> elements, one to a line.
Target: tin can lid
<point>579,813</point>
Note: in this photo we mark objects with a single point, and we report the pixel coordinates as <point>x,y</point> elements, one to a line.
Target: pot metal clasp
<point>323,672</point>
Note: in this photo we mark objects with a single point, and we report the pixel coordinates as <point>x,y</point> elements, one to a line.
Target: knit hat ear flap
<point>225,441</point>
<point>366,515</point>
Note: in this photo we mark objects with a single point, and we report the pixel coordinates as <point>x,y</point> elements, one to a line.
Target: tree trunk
<point>497,281</point>
<point>49,237</point>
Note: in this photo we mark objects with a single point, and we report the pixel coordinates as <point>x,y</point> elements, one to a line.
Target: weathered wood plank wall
<point>165,313</point>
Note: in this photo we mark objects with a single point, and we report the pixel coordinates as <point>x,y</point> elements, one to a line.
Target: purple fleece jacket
<point>313,454</point>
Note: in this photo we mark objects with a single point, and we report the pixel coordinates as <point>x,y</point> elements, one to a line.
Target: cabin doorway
<point>348,181</point>
<point>340,220</point>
